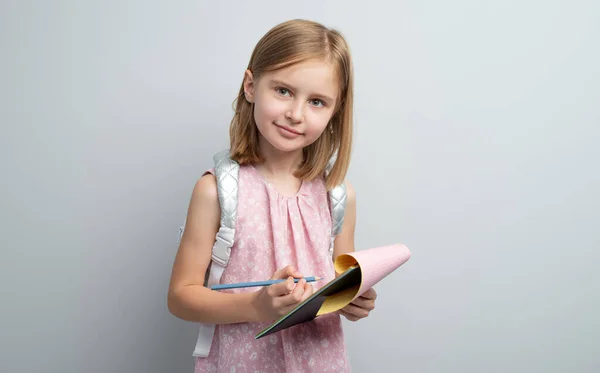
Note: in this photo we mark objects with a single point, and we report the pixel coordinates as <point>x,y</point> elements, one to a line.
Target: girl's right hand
<point>274,301</point>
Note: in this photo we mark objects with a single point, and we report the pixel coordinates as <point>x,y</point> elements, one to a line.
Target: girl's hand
<point>274,301</point>
<point>360,307</point>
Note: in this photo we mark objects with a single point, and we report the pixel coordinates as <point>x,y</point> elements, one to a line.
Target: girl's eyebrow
<point>319,95</point>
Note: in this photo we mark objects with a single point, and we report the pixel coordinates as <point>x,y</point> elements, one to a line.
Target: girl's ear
<point>249,86</point>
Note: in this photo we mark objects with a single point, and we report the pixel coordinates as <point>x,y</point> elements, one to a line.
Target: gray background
<point>477,130</point>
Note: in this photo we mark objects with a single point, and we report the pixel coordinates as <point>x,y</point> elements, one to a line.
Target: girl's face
<point>292,106</point>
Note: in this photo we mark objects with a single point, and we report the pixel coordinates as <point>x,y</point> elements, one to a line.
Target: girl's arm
<point>188,298</point>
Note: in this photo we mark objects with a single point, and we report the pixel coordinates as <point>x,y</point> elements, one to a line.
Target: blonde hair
<point>284,45</point>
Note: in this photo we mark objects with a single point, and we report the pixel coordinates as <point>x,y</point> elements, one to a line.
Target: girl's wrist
<point>252,307</point>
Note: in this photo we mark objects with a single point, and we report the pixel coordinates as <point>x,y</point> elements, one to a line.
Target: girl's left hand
<point>360,307</point>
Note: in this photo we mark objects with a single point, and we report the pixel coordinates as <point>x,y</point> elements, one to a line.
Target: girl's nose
<point>295,113</point>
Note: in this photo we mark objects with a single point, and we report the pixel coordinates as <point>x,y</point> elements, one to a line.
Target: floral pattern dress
<point>272,231</point>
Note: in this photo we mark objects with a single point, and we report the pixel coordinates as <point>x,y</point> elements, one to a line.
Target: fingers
<point>296,295</point>
<point>364,303</point>
<point>286,272</point>
<point>370,294</point>
<point>287,294</point>
<point>301,292</point>
<point>358,309</point>
<point>349,316</point>
<point>281,288</point>
<point>308,291</point>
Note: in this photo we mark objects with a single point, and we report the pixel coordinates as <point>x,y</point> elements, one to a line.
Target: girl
<point>293,114</point>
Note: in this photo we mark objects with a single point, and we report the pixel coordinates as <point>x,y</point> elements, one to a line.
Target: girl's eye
<point>317,103</point>
<point>283,91</point>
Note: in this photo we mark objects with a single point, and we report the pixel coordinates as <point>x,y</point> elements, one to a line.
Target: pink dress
<point>273,231</point>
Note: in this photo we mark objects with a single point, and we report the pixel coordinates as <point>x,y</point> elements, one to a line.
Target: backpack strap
<point>227,174</point>
<point>337,205</point>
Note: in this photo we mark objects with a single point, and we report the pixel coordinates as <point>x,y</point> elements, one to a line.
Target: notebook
<point>357,272</point>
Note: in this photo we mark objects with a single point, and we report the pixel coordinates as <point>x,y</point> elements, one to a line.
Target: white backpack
<point>226,173</point>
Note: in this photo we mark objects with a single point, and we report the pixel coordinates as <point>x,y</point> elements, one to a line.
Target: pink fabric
<point>273,231</point>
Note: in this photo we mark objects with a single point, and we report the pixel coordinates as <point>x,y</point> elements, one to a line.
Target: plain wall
<point>476,146</point>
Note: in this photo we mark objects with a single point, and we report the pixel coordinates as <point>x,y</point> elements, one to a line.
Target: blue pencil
<point>259,283</point>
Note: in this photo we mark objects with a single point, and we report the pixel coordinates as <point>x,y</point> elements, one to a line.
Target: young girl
<point>293,114</point>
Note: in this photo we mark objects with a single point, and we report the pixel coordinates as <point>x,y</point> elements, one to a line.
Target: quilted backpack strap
<point>337,205</point>
<point>337,199</point>
<point>227,174</point>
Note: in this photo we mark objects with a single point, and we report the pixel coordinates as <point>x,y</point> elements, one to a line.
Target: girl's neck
<point>278,164</point>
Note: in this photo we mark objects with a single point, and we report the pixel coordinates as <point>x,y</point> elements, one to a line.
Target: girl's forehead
<point>311,76</point>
